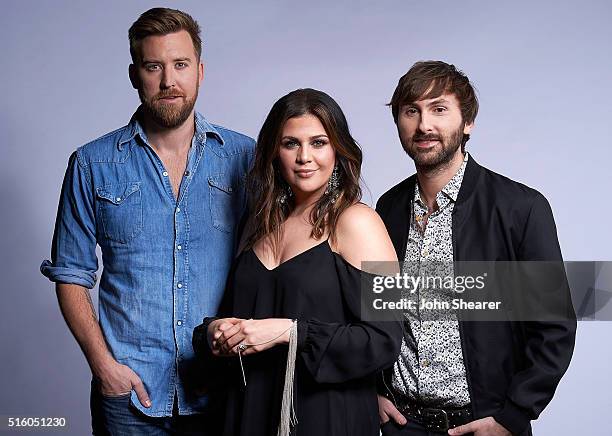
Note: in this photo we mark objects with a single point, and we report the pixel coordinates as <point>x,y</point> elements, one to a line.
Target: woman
<point>297,282</point>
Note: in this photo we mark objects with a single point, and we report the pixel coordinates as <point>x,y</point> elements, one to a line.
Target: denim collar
<point>202,129</point>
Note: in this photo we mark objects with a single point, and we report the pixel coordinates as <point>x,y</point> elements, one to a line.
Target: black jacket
<point>513,368</point>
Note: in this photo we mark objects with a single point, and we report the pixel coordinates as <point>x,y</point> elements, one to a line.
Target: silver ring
<point>242,347</point>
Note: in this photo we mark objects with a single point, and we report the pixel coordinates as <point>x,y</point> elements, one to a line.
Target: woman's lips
<point>305,173</point>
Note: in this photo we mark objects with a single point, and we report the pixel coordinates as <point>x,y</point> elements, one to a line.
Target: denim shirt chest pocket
<point>120,210</point>
<point>225,201</point>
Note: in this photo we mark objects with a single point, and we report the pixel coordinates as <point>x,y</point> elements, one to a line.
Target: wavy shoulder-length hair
<point>266,186</point>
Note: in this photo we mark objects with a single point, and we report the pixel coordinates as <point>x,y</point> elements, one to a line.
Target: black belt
<point>434,419</point>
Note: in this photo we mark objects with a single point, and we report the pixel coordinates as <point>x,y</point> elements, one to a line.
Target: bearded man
<point>162,198</point>
<point>453,376</point>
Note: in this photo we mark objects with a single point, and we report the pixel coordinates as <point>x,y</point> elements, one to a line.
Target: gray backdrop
<point>542,70</point>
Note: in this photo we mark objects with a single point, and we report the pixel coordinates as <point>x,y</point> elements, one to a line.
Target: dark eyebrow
<point>437,102</point>
<point>155,61</point>
<point>311,138</point>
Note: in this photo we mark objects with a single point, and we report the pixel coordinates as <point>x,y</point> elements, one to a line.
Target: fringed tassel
<point>288,418</point>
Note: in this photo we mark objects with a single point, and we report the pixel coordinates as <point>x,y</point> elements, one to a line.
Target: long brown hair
<point>267,186</point>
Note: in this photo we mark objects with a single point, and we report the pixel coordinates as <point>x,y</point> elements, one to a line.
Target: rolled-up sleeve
<point>73,251</point>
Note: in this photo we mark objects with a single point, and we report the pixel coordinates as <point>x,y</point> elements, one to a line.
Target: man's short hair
<point>431,79</point>
<point>162,21</point>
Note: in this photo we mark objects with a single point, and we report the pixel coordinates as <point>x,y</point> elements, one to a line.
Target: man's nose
<point>425,123</point>
<point>168,78</point>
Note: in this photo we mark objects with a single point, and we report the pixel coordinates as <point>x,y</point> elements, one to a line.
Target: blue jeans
<point>116,416</point>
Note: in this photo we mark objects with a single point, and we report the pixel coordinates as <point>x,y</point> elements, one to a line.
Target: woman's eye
<point>290,144</point>
<point>319,143</point>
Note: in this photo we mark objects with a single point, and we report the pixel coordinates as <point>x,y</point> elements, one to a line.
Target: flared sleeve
<point>340,352</point>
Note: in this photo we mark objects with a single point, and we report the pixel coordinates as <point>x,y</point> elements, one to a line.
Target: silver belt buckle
<point>435,419</point>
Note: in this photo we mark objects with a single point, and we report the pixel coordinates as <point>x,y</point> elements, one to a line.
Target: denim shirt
<point>165,260</point>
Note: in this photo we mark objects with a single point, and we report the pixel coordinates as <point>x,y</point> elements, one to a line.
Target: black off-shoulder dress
<point>338,355</point>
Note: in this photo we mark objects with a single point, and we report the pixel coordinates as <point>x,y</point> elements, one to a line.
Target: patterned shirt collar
<point>450,191</point>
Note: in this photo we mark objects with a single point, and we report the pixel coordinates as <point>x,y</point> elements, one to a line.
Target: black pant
<point>390,428</point>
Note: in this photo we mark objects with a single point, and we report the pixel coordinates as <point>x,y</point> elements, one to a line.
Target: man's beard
<point>437,157</point>
<point>168,115</point>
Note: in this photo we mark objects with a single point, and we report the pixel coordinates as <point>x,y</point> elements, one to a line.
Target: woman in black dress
<point>304,359</point>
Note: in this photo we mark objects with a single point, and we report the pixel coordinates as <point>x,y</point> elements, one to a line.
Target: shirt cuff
<point>71,276</point>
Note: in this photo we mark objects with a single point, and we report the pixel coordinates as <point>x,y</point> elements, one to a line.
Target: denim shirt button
<point>180,247</point>
<point>118,201</point>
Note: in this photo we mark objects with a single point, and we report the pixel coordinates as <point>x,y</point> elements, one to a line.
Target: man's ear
<point>468,128</point>
<point>200,72</point>
<point>134,76</point>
